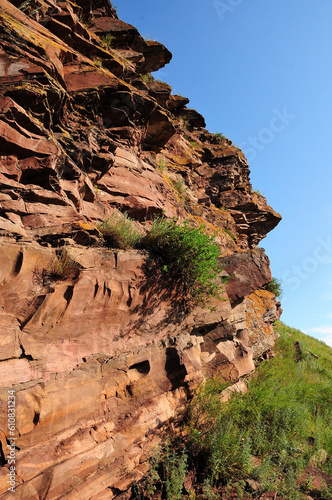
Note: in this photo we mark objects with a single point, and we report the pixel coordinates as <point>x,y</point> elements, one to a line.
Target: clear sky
<point>261,73</point>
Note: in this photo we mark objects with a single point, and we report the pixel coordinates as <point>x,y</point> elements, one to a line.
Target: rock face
<point>104,359</point>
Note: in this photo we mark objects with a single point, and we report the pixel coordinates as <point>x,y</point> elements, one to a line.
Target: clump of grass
<point>108,40</point>
<point>146,78</point>
<point>220,136</point>
<point>161,165</point>
<point>275,287</point>
<point>119,231</point>
<point>188,254</point>
<point>180,186</point>
<point>62,268</point>
<point>184,123</point>
<point>97,62</point>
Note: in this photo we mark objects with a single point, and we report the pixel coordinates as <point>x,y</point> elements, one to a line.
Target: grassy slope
<point>269,435</point>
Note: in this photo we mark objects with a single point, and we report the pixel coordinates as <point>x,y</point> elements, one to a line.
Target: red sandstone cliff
<point>103,361</point>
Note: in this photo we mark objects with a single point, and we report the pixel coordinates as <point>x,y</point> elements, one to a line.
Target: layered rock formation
<point>104,359</point>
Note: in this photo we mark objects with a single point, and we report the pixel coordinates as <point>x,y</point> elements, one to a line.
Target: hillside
<point>273,442</point>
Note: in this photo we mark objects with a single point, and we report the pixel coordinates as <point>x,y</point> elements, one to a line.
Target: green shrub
<point>168,469</point>
<point>275,287</point>
<point>174,465</point>
<point>188,254</point>
<point>153,475</point>
<point>119,231</point>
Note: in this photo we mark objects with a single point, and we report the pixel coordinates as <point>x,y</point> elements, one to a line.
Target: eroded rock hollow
<point>104,359</point>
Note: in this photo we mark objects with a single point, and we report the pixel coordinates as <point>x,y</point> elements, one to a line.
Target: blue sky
<point>261,73</point>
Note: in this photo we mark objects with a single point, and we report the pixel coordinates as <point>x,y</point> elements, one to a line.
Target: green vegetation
<point>146,78</point>
<point>97,62</point>
<point>168,467</point>
<point>63,267</point>
<point>219,136</point>
<point>271,435</point>
<point>174,471</point>
<point>184,123</point>
<point>161,166</point>
<point>188,254</point>
<point>230,234</point>
<point>108,40</point>
<point>119,231</point>
<point>257,191</point>
<point>275,287</point>
<point>160,81</point>
<point>180,186</point>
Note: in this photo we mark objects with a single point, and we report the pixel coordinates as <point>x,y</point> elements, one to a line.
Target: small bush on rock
<point>274,286</point>
<point>119,231</point>
<point>108,40</point>
<point>146,78</point>
<point>188,254</point>
<point>220,136</point>
<point>168,467</point>
<point>63,267</point>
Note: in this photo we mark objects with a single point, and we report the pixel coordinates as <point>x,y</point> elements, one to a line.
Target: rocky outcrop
<point>104,356</point>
